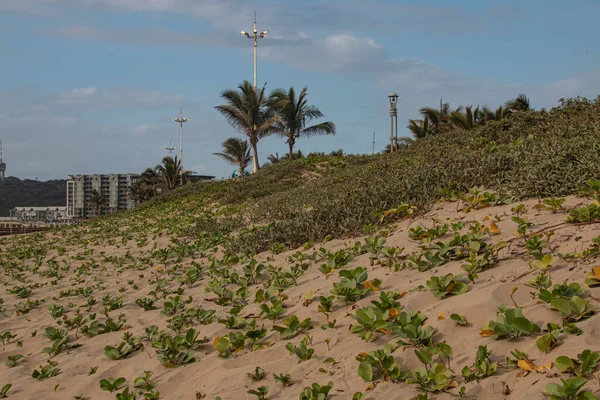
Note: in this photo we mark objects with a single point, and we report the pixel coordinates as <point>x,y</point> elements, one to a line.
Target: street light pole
<point>181,120</point>
<point>255,36</point>
<point>393,117</point>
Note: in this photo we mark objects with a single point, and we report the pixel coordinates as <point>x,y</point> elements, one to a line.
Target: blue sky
<point>91,86</point>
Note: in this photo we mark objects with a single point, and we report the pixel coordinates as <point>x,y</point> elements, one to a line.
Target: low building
<point>45,214</point>
<point>113,190</point>
<point>199,178</point>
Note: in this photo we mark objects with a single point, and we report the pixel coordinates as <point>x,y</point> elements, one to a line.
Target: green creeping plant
<point>111,384</point>
<point>303,352</point>
<point>447,285</point>
<point>293,327</point>
<point>353,285</point>
<point>584,365</point>
<point>316,392</point>
<point>482,366</point>
<point>46,371</point>
<point>380,363</point>
<point>260,393</point>
<point>369,321</point>
<point>257,375</point>
<point>285,380</point>
<point>433,376</point>
<point>4,390</point>
<point>510,323</point>
<point>570,389</point>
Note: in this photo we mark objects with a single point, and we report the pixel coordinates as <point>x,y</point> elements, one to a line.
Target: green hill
<point>15,192</point>
<point>526,155</point>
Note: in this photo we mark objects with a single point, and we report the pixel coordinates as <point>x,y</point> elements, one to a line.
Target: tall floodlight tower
<point>181,120</point>
<point>255,36</point>
<point>2,164</point>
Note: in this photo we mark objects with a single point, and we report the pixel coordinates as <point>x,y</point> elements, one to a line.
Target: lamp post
<point>170,148</point>
<point>255,36</point>
<point>181,120</point>
<point>393,117</point>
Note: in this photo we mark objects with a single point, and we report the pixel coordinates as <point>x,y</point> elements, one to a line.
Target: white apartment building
<point>113,188</point>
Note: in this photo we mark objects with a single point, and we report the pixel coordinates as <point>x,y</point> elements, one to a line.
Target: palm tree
<point>97,200</point>
<point>274,159</point>
<point>236,151</point>
<point>494,115</point>
<point>439,118</point>
<point>470,119</point>
<point>169,172</point>
<point>248,112</point>
<point>420,128</point>
<point>294,114</point>
<point>519,103</point>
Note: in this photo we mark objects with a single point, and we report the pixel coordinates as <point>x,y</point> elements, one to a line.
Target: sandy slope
<point>227,378</point>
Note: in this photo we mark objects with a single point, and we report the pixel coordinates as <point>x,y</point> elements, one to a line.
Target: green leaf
<point>424,356</point>
<point>561,305</point>
<point>365,371</point>
<point>554,389</point>
<point>523,325</point>
<point>564,363</point>
<point>112,353</point>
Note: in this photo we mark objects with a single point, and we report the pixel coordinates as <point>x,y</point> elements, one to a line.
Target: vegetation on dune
<point>531,154</point>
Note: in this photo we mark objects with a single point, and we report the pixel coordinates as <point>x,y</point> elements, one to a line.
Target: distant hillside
<point>15,192</point>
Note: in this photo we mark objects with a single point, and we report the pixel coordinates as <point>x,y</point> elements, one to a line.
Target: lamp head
<point>264,33</point>
<point>393,99</point>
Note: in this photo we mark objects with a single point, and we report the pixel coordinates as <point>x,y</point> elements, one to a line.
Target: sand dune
<point>215,376</point>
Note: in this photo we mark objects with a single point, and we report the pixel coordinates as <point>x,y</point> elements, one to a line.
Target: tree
<point>469,119</point>
<point>168,172</point>
<point>519,103</point>
<point>273,159</point>
<point>248,112</point>
<point>97,200</point>
<point>420,128</point>
<point>237,152</point>
<point>493,115</point>
<point>294,114</point>
<point>438,118</point>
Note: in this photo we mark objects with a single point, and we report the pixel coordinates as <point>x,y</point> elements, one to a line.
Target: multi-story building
<point>113,189</point>
<point>46,214</point>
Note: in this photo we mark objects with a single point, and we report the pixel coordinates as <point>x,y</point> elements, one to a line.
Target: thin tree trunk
<point>255,153</point>
<point>291,144</point>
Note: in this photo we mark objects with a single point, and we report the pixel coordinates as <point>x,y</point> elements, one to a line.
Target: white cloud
<point>143,130</point>
<point>113,98</point>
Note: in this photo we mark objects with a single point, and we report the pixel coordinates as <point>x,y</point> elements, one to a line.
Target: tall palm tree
<point>169,172</point>
<point>248,112</point>
<point>237,152</point>
<point>97,200</point>
<point>295,113</point>
<point>519,103</point>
